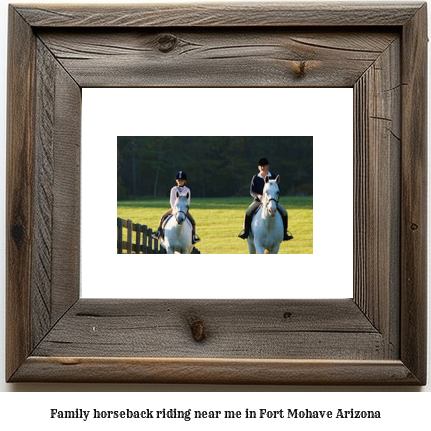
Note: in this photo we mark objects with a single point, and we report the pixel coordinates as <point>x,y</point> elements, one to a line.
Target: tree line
<point>215,166</point>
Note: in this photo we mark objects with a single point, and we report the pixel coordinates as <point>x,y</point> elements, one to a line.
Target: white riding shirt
<point>182,191</point>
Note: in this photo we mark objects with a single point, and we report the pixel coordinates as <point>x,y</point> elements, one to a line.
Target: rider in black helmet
<point>256,191</point>
<point>181,180</point>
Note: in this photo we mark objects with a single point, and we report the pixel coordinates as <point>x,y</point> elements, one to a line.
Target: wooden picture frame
<point>376,338</point>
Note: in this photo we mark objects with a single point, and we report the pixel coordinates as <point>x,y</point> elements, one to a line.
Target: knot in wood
<point>18,233</point>
<point>167,42</point>
<point>300,69</point>
<point>197,328</point>
<point>414,226</point>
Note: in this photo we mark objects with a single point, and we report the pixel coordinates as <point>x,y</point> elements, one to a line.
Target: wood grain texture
<point>215,371</point>
<point>377,101</point>
<point>20,194</point>
<point>163,328</point>
<point>220,15</point>
<point>67,200</point>
<point>414,194</point>
<point>44,195</point>
<point>216,58</point>
<point>55,278</point>
<point>43,191</point>
<point>377,338</point>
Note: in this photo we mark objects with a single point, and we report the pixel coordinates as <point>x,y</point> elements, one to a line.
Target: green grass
<point>219,221</point>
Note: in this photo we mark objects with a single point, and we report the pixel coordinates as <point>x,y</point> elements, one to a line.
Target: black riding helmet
<point>181,176</point>
<point>262,162</point>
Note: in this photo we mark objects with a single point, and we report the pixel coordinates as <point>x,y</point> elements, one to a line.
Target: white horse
<point>266,232</point>
<point>178,229</point>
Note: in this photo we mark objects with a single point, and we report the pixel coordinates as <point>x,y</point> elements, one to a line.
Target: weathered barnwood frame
<point>378,337</point>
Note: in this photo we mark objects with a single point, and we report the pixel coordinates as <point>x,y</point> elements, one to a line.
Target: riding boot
<point>159,233</point>
<point>195,238</point>
<point>156,234</point>
<point>247,227</point>
<point>286,235</point>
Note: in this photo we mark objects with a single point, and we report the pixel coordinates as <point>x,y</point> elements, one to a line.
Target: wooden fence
<point>138,239</point>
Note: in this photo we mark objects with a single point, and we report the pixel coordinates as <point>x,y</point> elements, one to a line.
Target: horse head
<point>181,208</point>
<point>271,195</point>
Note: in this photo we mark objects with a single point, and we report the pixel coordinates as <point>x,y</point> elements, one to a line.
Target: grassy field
<point>219,221</point>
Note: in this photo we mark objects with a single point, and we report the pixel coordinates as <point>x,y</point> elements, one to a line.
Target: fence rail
<point>138,239</point>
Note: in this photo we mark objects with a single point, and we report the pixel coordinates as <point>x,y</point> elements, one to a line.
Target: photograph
<point>215,194</point>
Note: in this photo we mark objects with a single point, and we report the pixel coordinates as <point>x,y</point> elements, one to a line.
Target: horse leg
<point>259,249</point>
<point>251,248</point>
<point>273,250</point>
<point>170,250</point>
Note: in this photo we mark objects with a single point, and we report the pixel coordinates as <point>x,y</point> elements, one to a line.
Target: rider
<point>181,179</point>
<point>256,191</point>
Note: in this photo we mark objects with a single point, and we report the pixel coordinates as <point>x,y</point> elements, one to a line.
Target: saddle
<point>256,210</point>
<point>166,221</point>
<point>162,229</point>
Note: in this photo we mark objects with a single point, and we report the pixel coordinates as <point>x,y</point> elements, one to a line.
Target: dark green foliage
<point>216,166</point>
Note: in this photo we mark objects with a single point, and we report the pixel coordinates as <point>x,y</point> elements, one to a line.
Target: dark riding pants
<point>255,205</point>
<point>169,212</point>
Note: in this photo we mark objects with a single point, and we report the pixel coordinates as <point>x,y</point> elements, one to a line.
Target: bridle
<point>267,201</point>
<point>178,211</point>
<point>272,199</point>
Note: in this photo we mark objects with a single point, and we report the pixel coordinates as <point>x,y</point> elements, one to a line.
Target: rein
<point>271,199</point>
<point>180,211</point>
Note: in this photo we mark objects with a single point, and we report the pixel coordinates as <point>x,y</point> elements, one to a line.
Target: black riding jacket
<point>257,185</point>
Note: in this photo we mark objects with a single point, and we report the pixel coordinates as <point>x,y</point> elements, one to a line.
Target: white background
<point>325,114</point>
<point>402,408</point>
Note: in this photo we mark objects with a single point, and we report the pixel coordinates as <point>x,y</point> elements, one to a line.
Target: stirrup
<point>156,235</point>
<point>287,236</point>
<point>243,234</point>
<point>195,239</point>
